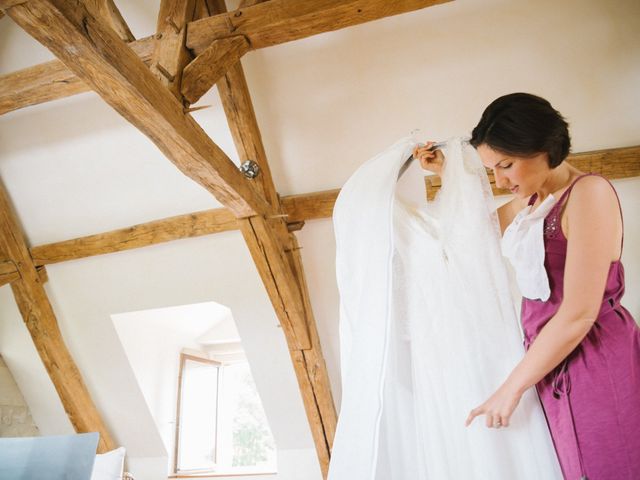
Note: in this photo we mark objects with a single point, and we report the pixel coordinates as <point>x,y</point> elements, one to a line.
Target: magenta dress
<point>592,399</point>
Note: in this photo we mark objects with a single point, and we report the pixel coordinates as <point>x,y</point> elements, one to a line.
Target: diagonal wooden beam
<point>278,277</point>
<point>208,67</point>
<point>206,8</point>
<point>170,55</point>
<point>96,54</point>
<point>111,16</point>
<point>276,254</point>
<point>249,3</point>
<point>298,19</point>
<point>283,278</point>
<point>279,21</point>
<point>316,370</point>
<point>238,107</point>
<point>5,4</point>
<point>40,319</point>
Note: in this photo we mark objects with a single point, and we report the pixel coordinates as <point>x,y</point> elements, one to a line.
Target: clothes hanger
<point>405,165</point>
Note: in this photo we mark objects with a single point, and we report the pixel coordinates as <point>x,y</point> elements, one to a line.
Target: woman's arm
<point>594,231</point>
<point>508,211</point>
<point>433,161</point>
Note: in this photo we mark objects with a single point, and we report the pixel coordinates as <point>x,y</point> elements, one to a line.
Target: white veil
<point>428,329</point>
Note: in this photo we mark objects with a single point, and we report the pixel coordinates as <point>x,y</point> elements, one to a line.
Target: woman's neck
<point>558,178</point>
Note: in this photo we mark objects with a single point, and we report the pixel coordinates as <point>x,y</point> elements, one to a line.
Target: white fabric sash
<point>523,244</point>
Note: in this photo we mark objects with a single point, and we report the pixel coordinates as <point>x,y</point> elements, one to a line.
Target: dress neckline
<point>534,197</point>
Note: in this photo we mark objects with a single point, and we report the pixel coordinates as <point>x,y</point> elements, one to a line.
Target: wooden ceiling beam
<point>111,16</point>
<point>309,206</point>
<point>170,55</point>
<point>8,272</point>
<point>278,278</point>
<point>183,226</point>
<point>278,21</point>
<point>5,4</point>
<point>276,254</point>
<point>280,268</point>
<point>249,3</point>
<point>316,370</point>
<point>238,108</point>
<point>96,54</point>
<point>297,208</point>
<point>258,23</point>
<point>52,80</point>
<point>206,8</point>
<point>40,319</point>
<point>208,67</point>
<point>614,163</point>
<point>264,236</point>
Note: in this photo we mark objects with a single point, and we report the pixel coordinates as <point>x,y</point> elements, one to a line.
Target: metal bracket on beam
<point>250,169</point>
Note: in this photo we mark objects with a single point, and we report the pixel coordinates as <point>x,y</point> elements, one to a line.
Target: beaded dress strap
<point>552,220</point>
<point>552,226</point>
<point>565,194</point>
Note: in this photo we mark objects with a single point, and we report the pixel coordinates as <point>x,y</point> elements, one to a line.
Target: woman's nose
<point>500,179</point>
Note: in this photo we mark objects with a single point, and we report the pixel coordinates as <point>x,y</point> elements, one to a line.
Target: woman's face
<point>522,175</point>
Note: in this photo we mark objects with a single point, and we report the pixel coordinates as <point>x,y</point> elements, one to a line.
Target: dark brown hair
<point>523,125</point>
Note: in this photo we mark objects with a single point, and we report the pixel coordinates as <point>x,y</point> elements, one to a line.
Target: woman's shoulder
<point>592,196</point>
<point>594,217</point>
<point>592,188</point>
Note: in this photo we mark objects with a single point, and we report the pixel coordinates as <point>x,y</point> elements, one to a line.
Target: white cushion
<point>109,465</point>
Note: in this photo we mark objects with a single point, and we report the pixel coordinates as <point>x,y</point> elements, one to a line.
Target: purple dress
<point>592,399</point>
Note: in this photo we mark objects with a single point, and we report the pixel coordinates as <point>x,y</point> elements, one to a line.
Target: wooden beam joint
<point>208,67</point>
<point>170,54</point>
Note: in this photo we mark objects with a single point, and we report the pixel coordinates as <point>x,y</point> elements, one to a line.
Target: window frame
<point>184,357</point>
<point>203,473</point>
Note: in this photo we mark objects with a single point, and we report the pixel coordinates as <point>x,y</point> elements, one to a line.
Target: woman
<point>583,347</point>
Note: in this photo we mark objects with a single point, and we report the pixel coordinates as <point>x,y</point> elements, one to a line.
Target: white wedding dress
<point>428,329</point>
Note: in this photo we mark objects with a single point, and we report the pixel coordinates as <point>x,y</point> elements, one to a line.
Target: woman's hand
<point>431,160</point>
<point>498,408</point>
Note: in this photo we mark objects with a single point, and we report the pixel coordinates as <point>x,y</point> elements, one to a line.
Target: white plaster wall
<point>325,105</point>
<point>15,416</point>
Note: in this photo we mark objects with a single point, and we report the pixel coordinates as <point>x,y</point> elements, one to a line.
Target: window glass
<point>197,416</point>
<point>222,427</point>
<point>245,435</point>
